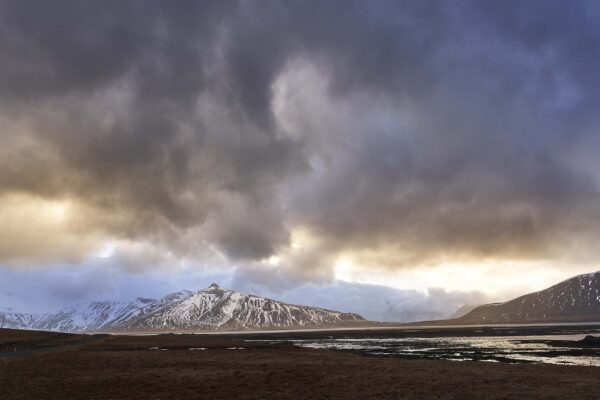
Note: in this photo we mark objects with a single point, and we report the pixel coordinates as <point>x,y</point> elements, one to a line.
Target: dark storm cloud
<point>436,131</point>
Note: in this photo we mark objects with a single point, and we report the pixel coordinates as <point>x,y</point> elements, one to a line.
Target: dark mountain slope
<point>574,300</point>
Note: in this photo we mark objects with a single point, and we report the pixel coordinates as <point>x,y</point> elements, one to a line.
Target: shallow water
<point>510,349</point>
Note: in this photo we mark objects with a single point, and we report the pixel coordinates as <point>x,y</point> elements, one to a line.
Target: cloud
<point>34,230</point>
<point>63,285</point>
<point>394,134</point>
<point>60,286</point>
<point>374,302</point>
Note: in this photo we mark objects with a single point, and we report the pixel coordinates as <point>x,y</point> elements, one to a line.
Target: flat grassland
<point>38,365</point>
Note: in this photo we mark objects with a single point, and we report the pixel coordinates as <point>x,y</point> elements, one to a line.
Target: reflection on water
<point>512,349</point>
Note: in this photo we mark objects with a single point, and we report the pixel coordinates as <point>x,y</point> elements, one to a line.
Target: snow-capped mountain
<point>217,308</point>
<point>574,300</point>
<point>208,309</point>
<point>93,316</point>
<point>10,319</point>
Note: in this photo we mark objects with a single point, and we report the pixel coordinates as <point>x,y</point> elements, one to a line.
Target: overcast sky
<point>447,149</point>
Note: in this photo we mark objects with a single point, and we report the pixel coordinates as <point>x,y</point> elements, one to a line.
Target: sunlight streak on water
<point>511,349</point>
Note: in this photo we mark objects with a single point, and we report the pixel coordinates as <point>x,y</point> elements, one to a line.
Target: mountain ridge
<point>212,308</point>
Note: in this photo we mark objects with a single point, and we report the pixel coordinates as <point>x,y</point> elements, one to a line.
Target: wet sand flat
<point>124,367</point>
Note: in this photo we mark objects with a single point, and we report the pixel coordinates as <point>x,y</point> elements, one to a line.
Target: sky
<point>394,158</point>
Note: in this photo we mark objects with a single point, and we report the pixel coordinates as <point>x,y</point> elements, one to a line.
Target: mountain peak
<point>214,286</point>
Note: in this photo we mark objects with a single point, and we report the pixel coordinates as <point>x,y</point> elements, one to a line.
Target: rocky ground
<point>59,366</point>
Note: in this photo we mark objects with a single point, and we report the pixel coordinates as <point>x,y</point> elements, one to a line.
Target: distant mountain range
<point>212,308</point>
<point>574,300</point>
